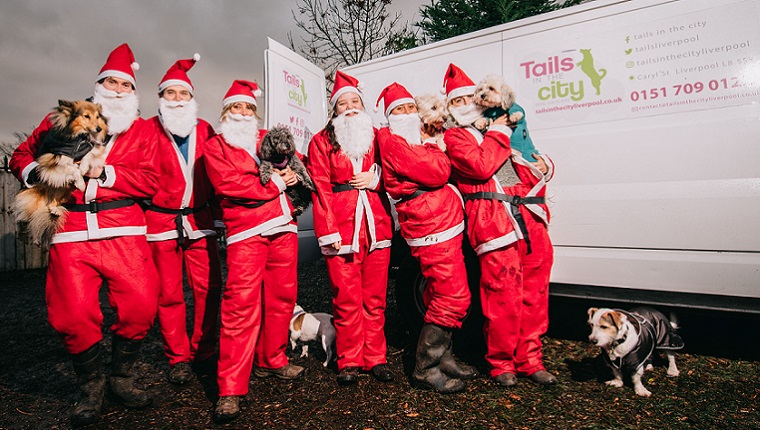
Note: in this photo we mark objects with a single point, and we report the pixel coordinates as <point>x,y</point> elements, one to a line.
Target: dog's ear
<point>591,312</point>
<point>507,96</point>
<point>618,319</point>
<point>65,104</point>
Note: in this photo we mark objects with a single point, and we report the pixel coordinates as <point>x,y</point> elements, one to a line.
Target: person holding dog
<point>507,229</point>
<point>352,223</point>
<point>181,228</point>
<point>262,246</point>
<point>416,173</point>
<point>103,239</point>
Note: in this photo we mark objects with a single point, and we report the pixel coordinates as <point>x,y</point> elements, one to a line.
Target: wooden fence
<point>17,252</point>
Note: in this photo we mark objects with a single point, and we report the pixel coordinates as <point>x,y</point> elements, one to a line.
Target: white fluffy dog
<point>433,113</point>
<point>306,327</point>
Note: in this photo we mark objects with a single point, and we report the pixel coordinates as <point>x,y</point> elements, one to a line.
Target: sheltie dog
<point>72,147</point>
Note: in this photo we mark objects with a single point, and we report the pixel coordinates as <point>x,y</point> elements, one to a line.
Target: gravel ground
<point>718,387</point>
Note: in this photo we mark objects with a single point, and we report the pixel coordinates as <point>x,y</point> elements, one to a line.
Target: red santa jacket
<point>433,216</point>
<point>338,214</point>
<point>533,183</point>
<point>248,208</point>
<point>130,174</point>
<point>475,159</point>
<point>183,185</point>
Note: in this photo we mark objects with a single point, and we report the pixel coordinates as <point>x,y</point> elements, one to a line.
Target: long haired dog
<point>433,113</point>
<point>493,94</point>
<point>278,151</point>
<point>630,338</point>
<point>72,147</point>
<point>306,327</point>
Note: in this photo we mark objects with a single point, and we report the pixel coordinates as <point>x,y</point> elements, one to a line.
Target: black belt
<point>342,187</point>
<point>250,204</point>
<point>95,206</point>
<point>514,204</point>
<point>148,206</point>
<point>419,192</point>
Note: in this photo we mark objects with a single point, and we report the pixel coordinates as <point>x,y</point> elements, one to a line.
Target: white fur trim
<point>503,129</point>
<point>377,171</point>
<point>277,179</point>
<point>166,84</point>
<point>396,103</point>
<point>329,239</point>
<point>461,91</point>
<point>110,177</point>
<point>116,74</point>
<point>100,233</point>
<point>26,171</point>
<point>344,90</point>
<point>436,238</point>
<point>497,243</point>
<point>239,98</point>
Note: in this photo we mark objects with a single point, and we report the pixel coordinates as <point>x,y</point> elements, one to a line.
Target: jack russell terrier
<point>305,327</point>
<point>629,338</point>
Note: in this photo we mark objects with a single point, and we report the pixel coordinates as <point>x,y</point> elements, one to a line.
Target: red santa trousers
<point>359,283</point>
<point>204,275</point>
<point>447,294</point>
<point>514,294</point>
<point>257,305</point>
<point>76,272</point>
<point>536,271</point>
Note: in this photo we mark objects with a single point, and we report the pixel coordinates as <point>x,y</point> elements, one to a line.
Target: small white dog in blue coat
<point>305,327</point>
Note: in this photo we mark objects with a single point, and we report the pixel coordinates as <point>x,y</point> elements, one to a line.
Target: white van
<point>651,111</point>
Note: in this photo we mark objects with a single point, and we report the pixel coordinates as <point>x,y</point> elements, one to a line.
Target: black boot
<point>432,345</point>
<point>122,380</point>
<point>450,367</point>
<point>89,369</point>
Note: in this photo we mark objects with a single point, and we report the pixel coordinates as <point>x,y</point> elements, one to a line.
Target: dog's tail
<point>29,206</point>
<point>674,321</point>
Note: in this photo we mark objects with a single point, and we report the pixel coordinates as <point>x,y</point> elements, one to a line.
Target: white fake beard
<point>120,109</point>
<point>466,114</point>
<point>241,131</point>
<point>354,134</point>
<point>407,126</point>
<point>179,116</point>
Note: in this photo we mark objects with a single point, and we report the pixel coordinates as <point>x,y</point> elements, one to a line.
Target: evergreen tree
<point>448,18</point>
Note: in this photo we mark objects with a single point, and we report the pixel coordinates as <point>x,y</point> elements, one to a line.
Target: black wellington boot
<point>450,367</point>
<point>122,380</point>
<point>431,346</point>
<point>92,382</point>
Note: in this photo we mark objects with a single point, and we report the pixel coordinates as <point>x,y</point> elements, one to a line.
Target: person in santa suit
<point>352,223</point>
<point>180,225</point>
<point>507,216</point>
<point>416,173</point>
<point>262,249</point>
<point>103,239</point>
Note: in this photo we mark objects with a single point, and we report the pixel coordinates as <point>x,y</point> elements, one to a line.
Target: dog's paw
<point>641,391</point>
<point>517,116</point>
<point>618,383</point>
<point>672,373</point>
<point>56,210</point>
<point>649,367</point>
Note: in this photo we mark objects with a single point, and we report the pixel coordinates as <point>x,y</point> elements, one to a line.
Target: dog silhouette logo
<point>587,67</point>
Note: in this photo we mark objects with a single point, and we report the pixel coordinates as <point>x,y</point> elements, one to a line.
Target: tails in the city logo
<point>558,78</point>
<point>297,94</point>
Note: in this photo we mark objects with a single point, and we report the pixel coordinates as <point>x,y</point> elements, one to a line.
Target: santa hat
<point>456,83</point>
<point>344,84</point>
<point>177,74</point>
<point>392,96</point>
<point>242,91</point>
<point>120,64</point>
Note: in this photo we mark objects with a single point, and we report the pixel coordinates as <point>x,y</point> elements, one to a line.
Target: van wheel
<point>410,286</point>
